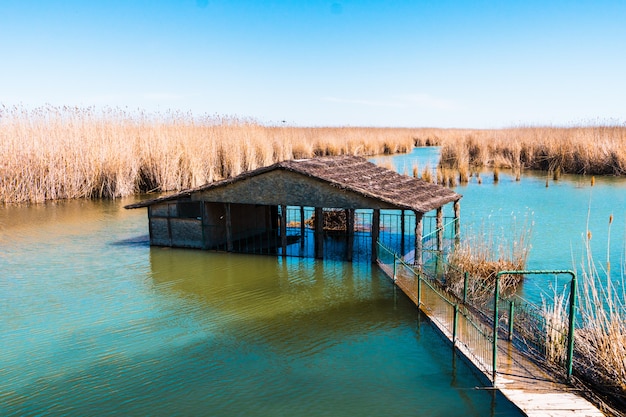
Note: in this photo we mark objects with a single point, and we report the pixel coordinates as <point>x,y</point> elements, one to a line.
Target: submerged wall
<point>205,225</point>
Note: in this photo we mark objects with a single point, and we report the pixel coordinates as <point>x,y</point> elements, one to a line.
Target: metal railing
<point>452,317</point>
<point>475,327</point>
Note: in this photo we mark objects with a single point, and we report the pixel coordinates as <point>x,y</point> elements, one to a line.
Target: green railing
<point>549,327</point>
<point>475,327</point>
<point>453,318</point>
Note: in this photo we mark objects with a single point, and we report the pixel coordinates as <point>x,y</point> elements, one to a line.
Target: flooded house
<point>324,207</point>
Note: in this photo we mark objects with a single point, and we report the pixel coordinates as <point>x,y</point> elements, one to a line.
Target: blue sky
<point>479,64</point>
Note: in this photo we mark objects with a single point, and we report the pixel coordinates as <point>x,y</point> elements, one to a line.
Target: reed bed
<point>601,338</point>
<point>482,255</point>
<point>600,334</point>
<point>593,150</point>
<point>51,153</point>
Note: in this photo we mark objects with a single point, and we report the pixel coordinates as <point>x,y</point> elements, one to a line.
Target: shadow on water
<point>140,241</point>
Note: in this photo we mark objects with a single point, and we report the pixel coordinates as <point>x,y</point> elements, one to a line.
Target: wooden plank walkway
<point>533,390</point>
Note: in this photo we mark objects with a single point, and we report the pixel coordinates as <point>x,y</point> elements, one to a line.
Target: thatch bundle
<point>334,220</point>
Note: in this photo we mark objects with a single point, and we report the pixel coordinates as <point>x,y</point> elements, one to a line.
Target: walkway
<point>529,387</point>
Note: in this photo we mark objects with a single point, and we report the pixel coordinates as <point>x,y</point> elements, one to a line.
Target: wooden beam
<point>418,240</point>
<point>439,228</point>
<point>272,230</point>
<point>283,229</point>
<point>349,234</point>
<point>229,228</point>
<point>203,224</point>
<point>169,224</point>
<point>375,234</point>
<point>402,231</point>
<point>457,220</point>
<point>302,227</point>
<point>150,232</point>
<point>319,233</point>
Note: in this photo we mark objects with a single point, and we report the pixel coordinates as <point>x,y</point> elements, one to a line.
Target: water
<point>558,216</point>
<point>95,322</point>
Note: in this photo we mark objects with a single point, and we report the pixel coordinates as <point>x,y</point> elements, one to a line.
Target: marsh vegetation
<point>51,153</point>
<point>63,153</point>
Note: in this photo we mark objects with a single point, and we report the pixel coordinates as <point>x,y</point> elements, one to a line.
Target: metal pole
<point>465,284</point>
<point>394,267</point>
<point>456,322</point>
<point>495,328</point>
<point>511,313</point>
<point>419,290</point>
<point>572,318</point>
<point>572,309</point>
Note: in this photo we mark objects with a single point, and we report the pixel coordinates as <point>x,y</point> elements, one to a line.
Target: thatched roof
<point>350,173</point>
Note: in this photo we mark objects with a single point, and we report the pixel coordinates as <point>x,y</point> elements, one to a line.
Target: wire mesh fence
<point>455,320</point>
<point>542,331</point>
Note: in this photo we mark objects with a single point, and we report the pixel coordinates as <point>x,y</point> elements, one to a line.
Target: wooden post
<point>439,228</point>
<point>229,228</point>
<point>302,227</point>
<point>203,224</point>
<point>274,230</point>
<point>349,234</point>
<point>375,234</point>
<point>283,229</point>
<point>319,233</point>
<point>150,232</point>
<point>457,220</point>
<point>417,261</point>
<point>402,227</point>
<point>169,223</point>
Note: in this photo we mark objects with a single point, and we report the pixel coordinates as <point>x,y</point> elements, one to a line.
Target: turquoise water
<point>558,216</point>
<point>95,322</point>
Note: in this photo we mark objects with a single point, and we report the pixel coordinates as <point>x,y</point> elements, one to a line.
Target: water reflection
<point>95,322</point>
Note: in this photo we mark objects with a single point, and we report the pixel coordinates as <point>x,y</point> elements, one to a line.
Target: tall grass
<point>580,150</point>
<point>601,338</point>
<point>482,255</point>
<point>52,153</point>
<point>600,334</point>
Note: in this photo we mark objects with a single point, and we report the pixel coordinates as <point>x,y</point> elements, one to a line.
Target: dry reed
<point>555,315</point>
<point>482,255</point>
<point>600,340</point>
<point>579,150</point>
<point>51,153</point>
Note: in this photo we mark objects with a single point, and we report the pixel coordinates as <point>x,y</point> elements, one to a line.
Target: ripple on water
<point>97,323</point>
